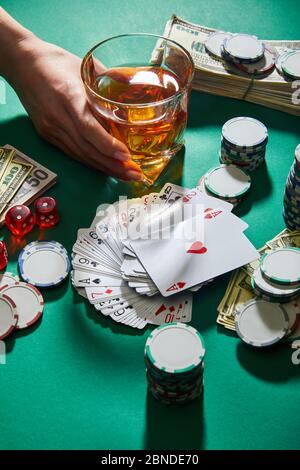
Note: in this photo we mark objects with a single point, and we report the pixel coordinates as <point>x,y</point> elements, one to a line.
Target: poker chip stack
<point>174,357</point>
<point>277,279</point>
<point>243,143</point>
<point>291,204</point>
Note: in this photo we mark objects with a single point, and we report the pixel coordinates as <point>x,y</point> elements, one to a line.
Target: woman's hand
<point>48,82</point>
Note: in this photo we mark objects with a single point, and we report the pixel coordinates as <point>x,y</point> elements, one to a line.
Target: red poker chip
<point>28,300</point>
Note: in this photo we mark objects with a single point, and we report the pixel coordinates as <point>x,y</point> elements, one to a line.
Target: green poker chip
<point>227,181</point>
<point>282,266</point>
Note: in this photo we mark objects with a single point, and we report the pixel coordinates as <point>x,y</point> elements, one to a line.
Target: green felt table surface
<point>77,380</point>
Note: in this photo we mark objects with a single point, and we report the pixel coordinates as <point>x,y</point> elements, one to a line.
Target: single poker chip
<point>8,278</point>
<point>214,42</point>
<point>292,310</point>
<point>244,47</point>
<point>291,64</point>
<point>175,348</point>
<point>260,323</point>
<point>245,132</point>
<point>28,300</point>
<point>295,333</point>
<point>297,155</point>
<point>8,315</point>
<point>280,58</point>
<point>282,265</point>
<point>265,65</point>
<point>44,264</point>
<point>227,181</point>
<point>272,288</point>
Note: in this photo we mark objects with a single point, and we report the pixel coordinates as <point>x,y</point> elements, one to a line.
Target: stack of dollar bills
<point>22,179</point>
<point>217,76</point>
<point>240,286</point>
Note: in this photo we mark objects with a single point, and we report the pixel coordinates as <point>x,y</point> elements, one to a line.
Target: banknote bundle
<point>22,179</point>
<point>266,84</point>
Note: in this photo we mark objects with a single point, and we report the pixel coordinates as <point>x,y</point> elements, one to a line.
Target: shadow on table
<point>271,364</point>
<point>207,110</point>
<point>174,427</point>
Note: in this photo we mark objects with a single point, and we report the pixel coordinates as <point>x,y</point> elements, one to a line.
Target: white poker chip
<point>28,300</point>
<point>282,265</point>
<point>214,42</point>
<point>265,65</point>
<point>8,278</point>
<point>175,348</point>
<point>291,64</point>
<point>292,310</point>
<point>245,132</point>
<point>280,58</point>
<point>44,264</point>
<point>297,154</point>
<point>272,288</point>
<point>8,315</point>
<point>244,47</point>
<point>227,181</point>
<point>260,323</point>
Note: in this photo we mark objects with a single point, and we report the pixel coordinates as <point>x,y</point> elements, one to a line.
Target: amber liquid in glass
<point>152,133</point>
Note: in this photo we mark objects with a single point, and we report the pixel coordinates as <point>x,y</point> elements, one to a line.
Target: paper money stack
<point>217,76</point>
<point>22,179</point>
<point>240,287</point>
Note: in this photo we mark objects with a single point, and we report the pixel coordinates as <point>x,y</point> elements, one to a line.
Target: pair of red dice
<point>21,220</point>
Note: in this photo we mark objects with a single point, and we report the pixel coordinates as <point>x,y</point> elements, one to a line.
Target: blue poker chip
<point>44,264</point>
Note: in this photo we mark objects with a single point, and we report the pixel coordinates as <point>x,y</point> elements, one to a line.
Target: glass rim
<point>178,93</point>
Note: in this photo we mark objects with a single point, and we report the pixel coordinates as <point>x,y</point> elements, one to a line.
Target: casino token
<point>279,60</point>
<point>297,154</point>
<point>244,47</point>
<point>175,348</point>
<point>28,300</point>
<point>214,41</point>
<point>271,288</point>
<point>8,278</point>
<point>227,181</point>
<point>295,334</point>
<point>8,317</point>
<point>290,64</point>
<point>245,132</point>
<point>44,265</point>
<point>265,65</point>
<point>260,323</point>
<point>292,310</point>
<point>282,265</point>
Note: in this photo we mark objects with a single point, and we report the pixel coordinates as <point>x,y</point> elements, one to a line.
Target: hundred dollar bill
<point>12,179</point>
<point>37,182</point>
<point>239,288</point>
<point>220,78</point>
<point>6,155</point>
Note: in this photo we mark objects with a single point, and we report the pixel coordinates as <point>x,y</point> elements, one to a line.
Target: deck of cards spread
<point>141,259</point>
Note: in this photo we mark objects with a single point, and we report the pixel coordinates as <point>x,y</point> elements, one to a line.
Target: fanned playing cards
<point>142,259</point>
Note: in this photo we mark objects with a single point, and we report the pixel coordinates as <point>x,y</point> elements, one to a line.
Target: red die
<point>3,255</point>
<point>46,212</point>
<point>20,220</point>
